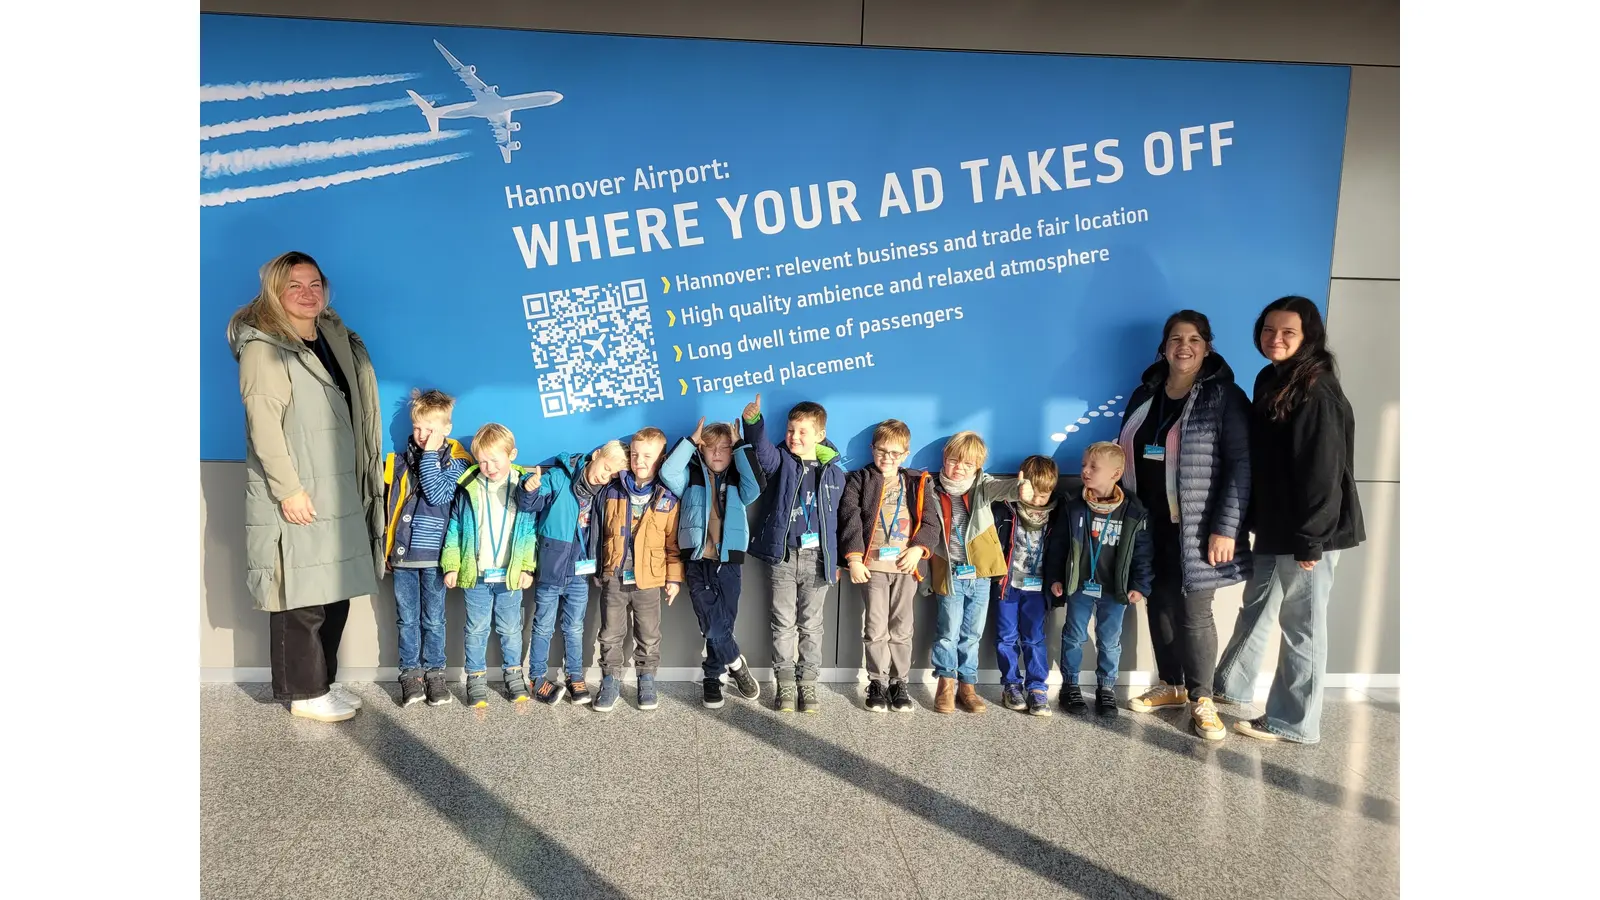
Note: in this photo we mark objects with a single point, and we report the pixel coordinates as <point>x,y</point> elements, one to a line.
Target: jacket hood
<point>328,320</point>
<point>826,452</point>
<point>1215,368</point>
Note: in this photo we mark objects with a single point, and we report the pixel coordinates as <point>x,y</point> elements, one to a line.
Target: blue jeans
<point>547,597</point>
<point>714,594</point>
<point>1019,626</point>
<point>960,625</point>
<point>1108,614</point>
<point>1281,590</point>
<point>419,606</point>
<point>485,601</point>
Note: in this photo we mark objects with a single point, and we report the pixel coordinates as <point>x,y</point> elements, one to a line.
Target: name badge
<point>888,552</point>
<point>810,540</point>
<point>627,576</point>
<point>585,567</point>
<point>1157,452</point>
<point>1091,589</point>
<point>1033,582</point>
<point>966,573</point>
<point>494,575</point>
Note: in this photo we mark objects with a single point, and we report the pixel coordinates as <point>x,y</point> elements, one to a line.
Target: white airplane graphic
<point>486,103</point>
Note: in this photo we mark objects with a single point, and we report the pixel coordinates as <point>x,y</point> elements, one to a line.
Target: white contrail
<point>240,195</point>
<point>256,90</point>
<point>257,158</point>
<point>267,123</point>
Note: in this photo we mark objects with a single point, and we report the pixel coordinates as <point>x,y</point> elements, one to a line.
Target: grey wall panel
<point>796,21</point>
<point>1364,330</point>
<point>1325,31</point>
<point>1367,242</point>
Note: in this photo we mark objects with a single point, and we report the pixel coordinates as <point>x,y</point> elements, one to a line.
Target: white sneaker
<point>348,699</point>
<point>327,708</point>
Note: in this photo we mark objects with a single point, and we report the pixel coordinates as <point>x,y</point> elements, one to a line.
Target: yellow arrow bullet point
<point>678,350</point>
<point>666,286</point>
<point>671,319</point>
<point>685,386</point>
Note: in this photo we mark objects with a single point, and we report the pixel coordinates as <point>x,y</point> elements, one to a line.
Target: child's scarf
<point>957,488</point>
<point>1105,507</point>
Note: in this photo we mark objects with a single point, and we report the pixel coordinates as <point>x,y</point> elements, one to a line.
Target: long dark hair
<point>1185,316</point>
<point>1300,371</point>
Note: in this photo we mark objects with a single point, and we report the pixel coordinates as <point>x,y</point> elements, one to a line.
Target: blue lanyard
<point>805,509</point>
<point>627,520</point>
<point>488,519</point>
<point>888,528</point>
<point>1098,544</point>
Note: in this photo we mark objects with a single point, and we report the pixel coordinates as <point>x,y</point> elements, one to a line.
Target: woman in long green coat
<point>314,478</point>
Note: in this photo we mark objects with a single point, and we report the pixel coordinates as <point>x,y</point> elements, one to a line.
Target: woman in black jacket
<point>1186,447</point>
<point>1302,442</point>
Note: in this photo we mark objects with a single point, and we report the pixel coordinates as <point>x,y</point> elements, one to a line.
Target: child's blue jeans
<point>1019,631</point>
<point>1108,613</point>
<point>419,607</point>
<point>548,597</point>
<point>486,601</point>
<point>962,615</point>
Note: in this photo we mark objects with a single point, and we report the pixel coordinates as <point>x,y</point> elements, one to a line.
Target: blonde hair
<point>892,430</point>
<point>1107,450</point>
<point>967,446</point>
<point>716,433</point>
<point>1041,472</point>
<point>649,433</point>
<point>493,436</point>
<point>265,312</point>
<point>611,450</point>
<point>427,404</point>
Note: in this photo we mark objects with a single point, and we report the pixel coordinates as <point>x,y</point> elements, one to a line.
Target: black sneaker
<point>1105,701</point>
<point>516,685</point>
<point>784,702</point>
<point>809,703</point>
<point>877,697</point>
<point>412,690</point>
<point>579,691</point>
<point>711,696</point>
<point>749,687</point>
<point>477,691</point>
<point>438,691</point>
<point>549,691</point>
<point>900,698</point>
<point>1072,699</point>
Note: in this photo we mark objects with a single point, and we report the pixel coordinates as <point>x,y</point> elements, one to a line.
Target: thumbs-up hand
<point>1025,490</point>
<point>695,438</point>
<point>752,410</point>
<point>531,483</point>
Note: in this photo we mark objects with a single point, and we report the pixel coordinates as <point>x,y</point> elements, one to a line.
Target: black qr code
<point>593,347</point>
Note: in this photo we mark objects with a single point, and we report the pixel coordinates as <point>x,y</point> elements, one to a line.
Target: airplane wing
<point>467,74</point>
<point>501,124</point>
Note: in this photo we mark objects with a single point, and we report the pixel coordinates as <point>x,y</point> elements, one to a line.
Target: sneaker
<point>412,690</point>
<point>579,691</point>
<point>900,698</point>
<point>1206,721</point>
<point>438,691</point>
<point>516,685</point>
<point>1105,701</point>
<point>1161,696</point>
<point>348,699</point>
<point>327,708</point>
<point>711,693</point>
<point>877,697</point>
<point>1011,696</point>
<point>1038,703</point>
<point>609,692</point>
<point>477,690</point>
<point>549,691</point>
<point>808,697</point>
<point>1256,728</point>
<point>647,692</point>
<point>784,701</point>
<point>1072,699</point>
<point>749,687</point>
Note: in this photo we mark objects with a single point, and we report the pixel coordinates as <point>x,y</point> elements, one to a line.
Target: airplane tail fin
<point>427,111</point>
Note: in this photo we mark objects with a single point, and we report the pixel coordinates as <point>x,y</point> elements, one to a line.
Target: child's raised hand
<point>449,579</point>
<point>435,440</point>
<point>531,483</point>
<point>908,559</point>
<point>858,572</point>
<point>527,580</point>
<point>752,410</point>
<point>1025,490</point>
<point>695,438</point>
<point>671,589</point>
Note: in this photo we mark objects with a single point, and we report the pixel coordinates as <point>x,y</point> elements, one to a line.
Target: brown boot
<point>944,699</point>
<point>967,698</point>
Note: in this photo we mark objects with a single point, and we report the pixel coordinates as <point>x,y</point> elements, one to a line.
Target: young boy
<point>417,501</point>
<point>716,479</point>
<point>563,499</point>
<point>1098,562</point>
<point>967,555</point>
<point>1019,595</point>
<point>886,527</point>
<point>639,567</point>
<point>799,543</point>
<point>488,552</point>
